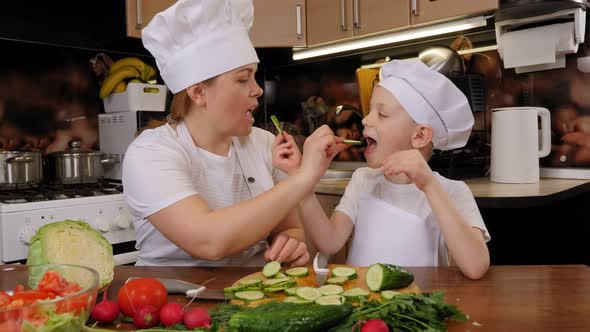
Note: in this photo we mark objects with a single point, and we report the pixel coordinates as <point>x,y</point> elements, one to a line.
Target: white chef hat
<point>430,99</point>
<point>195,40</point>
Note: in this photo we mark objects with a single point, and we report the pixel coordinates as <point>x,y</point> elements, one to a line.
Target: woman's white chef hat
<point>430,99</point>
<point>195,40</point>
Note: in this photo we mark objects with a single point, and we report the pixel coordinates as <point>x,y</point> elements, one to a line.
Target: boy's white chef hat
<point>430,99</point>
<point>195,40</point>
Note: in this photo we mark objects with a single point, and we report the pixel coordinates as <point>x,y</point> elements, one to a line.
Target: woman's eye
<point>381,115</point>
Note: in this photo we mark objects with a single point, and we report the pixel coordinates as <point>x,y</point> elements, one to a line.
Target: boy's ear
<point>196,93</point>
<point>422,136</point>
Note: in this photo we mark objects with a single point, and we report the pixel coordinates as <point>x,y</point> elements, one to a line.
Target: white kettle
<point>517,143</point>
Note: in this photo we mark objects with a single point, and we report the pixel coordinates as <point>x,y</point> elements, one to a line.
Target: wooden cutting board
<point>310,281</point>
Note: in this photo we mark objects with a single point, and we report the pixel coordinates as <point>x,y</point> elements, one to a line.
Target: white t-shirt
<point>410,199</point>
<point>163,166</point>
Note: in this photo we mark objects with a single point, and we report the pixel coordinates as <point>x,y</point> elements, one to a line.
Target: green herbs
<point>406,312</point>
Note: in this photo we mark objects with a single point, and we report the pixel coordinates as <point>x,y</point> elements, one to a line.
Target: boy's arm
<point>465,243</point>
<point>328,235</point>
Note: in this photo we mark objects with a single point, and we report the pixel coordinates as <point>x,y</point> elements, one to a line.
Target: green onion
<point>277,124</point>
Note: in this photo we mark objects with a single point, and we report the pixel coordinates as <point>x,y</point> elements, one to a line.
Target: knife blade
<point>320,267</point>
<point>175,286</point>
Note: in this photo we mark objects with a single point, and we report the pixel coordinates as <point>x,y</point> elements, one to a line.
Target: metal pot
<point>442,59</point>
<point>76,165</point>
<point>20,167</point>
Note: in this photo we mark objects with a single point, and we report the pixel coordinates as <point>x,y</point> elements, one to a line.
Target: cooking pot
<point>20,167</point>
<point>76,165</point>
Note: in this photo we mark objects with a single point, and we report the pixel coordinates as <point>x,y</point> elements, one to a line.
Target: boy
<point>401,212</point>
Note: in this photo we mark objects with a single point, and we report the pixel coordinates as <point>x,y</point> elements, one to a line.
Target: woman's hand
<point>412,164</point>
<point>285,153</point>
<point>319,150</point>
<point>287,249</point>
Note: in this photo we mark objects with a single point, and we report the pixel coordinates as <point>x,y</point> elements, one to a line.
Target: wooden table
<point>508,298</point>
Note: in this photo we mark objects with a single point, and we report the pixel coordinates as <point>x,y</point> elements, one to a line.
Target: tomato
<point>30,296</point>
<point>19,288</point>
<point>54,283</point>
<point>77,303</point>
<point>140,292</point>
<point>4,299</point>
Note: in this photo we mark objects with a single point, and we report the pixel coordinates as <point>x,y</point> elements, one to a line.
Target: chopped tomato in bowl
<point>56,297</point>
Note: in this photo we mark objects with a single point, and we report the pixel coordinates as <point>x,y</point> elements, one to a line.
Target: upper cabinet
<point>330,20</point>
<point>425,11</point>
<point>140,13</point>
<point>279,23</point>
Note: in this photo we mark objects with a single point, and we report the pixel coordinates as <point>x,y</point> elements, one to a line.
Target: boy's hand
<point>285,153</point>
<point>287,249</point>
<point>412,164</point>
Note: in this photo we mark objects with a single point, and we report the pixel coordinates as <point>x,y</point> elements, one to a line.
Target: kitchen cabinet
<point>140,12</point>
<point>279,23</point>
<point>426,11</point>
<point>331,20</point>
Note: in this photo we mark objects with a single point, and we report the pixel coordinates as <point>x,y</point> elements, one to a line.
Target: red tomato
<point>54,283</point>
<point>19,288</point>
<point>30,296</point>
<point>4,299</point>
<point>77,303</point>
<point>140,292</point>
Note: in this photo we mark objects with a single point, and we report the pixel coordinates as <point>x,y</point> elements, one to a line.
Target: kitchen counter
<point>498,195</point>
<point>508,298</point>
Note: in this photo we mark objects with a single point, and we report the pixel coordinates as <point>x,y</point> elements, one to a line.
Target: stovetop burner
<point>47,192</point>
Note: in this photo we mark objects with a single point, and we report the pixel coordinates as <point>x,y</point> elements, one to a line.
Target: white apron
<point>257,179</point>
<point>384,233</point>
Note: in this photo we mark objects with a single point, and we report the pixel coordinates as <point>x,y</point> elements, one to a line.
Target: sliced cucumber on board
<point>271,268</point>
<point>337,280</point>
<point>298,272</point>
<point>249,295</point>
<point>387,276</point>
<point>356,294</point>
<point>280,275</point>
<point>331,300</point>
<point>308,293</point>
<point>291,291</point>
<point>254,283</point>
<point>347,272</point>
<point>296,299</point>
<point>272,282</point>
<point>331,290</point>
<point>387,295</point>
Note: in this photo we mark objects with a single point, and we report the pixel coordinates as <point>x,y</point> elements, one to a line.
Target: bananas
<point>126,69</point>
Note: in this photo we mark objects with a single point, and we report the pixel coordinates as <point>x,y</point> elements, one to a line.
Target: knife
<point>175,286</point>
<point>320,267</point>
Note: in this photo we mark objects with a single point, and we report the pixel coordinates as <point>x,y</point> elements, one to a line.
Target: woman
<point>202,188</point>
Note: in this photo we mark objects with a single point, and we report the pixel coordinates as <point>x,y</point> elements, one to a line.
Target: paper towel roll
<point>538,48</point>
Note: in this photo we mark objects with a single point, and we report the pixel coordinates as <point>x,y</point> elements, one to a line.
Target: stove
<point>23,210</point>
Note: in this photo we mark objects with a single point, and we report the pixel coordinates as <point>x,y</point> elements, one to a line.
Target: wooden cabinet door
<point>140,12</point>
<point>374,16</point>
<point>279,23</point>
<point>424,11</point>
<point>328,20</point>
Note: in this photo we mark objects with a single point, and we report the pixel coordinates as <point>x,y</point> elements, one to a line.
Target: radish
<point>171,314</point>
<point>197,318</point>
<point>375,325</point>
<point>106,311</point>
<point>146,317</point>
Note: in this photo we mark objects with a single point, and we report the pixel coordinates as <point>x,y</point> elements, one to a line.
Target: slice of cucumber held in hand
<point>387,276</point>
<point>271,268</point>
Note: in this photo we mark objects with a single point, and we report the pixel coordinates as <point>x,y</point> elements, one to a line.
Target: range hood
<point>96,25</point>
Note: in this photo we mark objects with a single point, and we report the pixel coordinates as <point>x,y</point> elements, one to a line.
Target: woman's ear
<point>422,136</point>
<point>196,93</point>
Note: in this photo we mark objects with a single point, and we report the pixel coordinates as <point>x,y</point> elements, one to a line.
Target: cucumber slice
<point>298,272</point>
<point>280,275</point>
<point>280,287</point>
<point>337,280</point>
<point>234,289</point>
<point>387,295</point>
<point>291,291</point>
<point>272,282</point>
<point>308,293</point>
<point>249,295</point>
<point>331,290</point>
<point>356,294</point>
<point>253,283</point>
<point>295,299</point>
<point>387,276</point>
<point>271,268</point>
<point>330,300</point>
<point>348,272</point>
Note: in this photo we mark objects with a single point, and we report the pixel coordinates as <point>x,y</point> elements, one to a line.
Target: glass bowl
<point>25,311</point>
